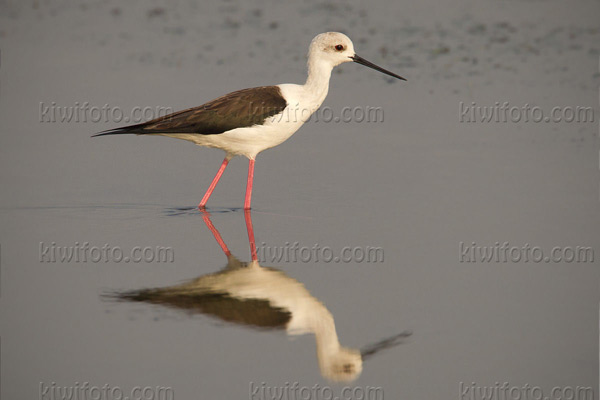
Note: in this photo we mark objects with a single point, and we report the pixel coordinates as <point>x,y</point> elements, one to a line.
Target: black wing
<point>238,109</point>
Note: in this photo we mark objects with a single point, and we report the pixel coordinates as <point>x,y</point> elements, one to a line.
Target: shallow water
<point>420,185</point>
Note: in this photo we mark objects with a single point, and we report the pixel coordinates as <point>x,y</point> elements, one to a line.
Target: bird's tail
<point>127,130</point>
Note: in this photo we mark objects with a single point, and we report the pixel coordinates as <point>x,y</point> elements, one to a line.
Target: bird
<point>254,296</point>
<point>249,121</point>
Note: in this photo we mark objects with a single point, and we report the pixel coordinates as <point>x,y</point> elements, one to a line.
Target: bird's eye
<point>339,47</point>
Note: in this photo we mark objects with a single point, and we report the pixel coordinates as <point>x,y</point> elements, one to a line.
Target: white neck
<point>331,356</point>
<point>325,335</point>
<point>317,83</point>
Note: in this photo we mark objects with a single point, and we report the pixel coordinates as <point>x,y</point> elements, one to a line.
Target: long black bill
<point>370,350</point>
<point>360,60</point>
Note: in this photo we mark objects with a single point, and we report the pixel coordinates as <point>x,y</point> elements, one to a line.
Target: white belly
<point>252,140</point>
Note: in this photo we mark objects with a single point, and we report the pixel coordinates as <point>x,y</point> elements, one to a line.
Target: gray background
<point>416,184</point>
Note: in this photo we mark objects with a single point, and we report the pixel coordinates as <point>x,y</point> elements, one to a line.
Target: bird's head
<point>336,48</point>
<point>333,47</point>
<point>343,366</point>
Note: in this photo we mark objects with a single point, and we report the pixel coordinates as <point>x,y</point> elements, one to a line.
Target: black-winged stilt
<point>249,121</point>
<point>248,294</point>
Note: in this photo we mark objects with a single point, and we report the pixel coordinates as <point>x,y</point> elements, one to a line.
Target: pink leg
<point>214,183</point>
<point>249,185</point>
<point>215,232</point>
<point>250,234</point>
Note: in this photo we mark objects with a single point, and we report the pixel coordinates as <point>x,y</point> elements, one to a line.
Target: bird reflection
<point>248,294</point>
